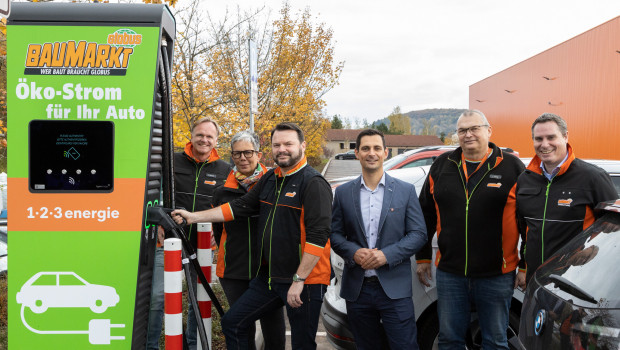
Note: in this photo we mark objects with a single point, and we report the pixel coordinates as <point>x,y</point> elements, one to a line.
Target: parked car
<point>423,156</point>
<point>347,155</point>
<point>333,311</point>
<point>65,289</point>
<point>572,301</point>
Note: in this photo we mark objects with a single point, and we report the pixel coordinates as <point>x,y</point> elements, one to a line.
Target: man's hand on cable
<point>179,214</point>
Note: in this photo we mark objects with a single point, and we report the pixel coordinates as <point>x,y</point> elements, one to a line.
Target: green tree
<point>336,122</point>
<point>383,128</point>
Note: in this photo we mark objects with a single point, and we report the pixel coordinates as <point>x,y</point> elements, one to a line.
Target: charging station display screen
<point>71,155</point>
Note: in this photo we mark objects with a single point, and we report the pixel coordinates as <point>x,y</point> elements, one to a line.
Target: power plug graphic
<point>99,331</point>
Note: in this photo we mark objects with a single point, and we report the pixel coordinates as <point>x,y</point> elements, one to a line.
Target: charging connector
<point>99,331</point>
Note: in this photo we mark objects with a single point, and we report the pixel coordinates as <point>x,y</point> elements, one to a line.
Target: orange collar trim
<point>302,163</point>
<point>189,151</point>
<point>534,165</point>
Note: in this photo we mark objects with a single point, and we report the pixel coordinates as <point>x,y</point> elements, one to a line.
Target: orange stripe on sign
<point>121,210</point>
<point>173,303</point>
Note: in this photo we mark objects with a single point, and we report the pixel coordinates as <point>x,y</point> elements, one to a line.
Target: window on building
<point>351,145</point>
<point>341,145</point>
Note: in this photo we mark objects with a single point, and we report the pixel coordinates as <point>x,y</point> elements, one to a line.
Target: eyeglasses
<point>474,129</point>
<point>248,154</point>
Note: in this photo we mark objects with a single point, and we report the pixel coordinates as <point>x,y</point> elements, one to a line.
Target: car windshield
<point>590,263</point>
<point>392,162</point>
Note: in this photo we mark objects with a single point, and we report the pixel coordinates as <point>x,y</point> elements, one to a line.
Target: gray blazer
<point>402,233</point>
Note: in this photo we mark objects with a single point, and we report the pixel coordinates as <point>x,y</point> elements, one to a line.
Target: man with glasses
<point>294,207</point>
<point>468,198</point>
<point>238,258</point>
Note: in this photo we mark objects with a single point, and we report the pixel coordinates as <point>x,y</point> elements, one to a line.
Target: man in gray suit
<point>377,225</point>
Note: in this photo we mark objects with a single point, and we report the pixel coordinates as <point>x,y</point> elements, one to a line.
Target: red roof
<point>390,140</point>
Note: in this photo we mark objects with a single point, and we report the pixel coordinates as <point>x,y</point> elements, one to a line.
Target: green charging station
<point>89,111</point>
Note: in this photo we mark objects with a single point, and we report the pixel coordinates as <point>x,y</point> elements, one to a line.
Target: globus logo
<point>82,57</point>
<point>125,38</point>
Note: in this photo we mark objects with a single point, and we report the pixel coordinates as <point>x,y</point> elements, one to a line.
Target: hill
<point>440,119</point>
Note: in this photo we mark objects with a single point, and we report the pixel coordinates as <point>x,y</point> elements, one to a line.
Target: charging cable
<point>98,330</point>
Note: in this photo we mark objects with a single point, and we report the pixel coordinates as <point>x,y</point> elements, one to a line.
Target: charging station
<point>89,111</point>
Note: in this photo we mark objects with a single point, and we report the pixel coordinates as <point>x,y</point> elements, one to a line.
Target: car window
<point>418,162</point>
<point>70,280</point>
<point>45,280</point>
<point>590,261</point>
<point>390,163</point>
<point>615,178</point>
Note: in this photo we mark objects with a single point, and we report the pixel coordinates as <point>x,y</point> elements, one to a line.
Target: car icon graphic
<point>65,289</point>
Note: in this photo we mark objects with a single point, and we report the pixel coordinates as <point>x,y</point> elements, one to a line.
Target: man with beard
<point>293,203</point>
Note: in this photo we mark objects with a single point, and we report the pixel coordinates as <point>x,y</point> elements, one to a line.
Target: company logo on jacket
<point>565,202</point>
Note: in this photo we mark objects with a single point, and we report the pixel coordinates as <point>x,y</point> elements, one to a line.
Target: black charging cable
<point>161,216</point>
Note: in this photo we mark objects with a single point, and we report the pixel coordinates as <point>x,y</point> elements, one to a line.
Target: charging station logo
<point>82,57</point>
<point>68,290</point>
<point>72,153</point>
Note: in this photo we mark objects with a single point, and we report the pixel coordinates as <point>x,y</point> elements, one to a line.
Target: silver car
<point>334,312</point>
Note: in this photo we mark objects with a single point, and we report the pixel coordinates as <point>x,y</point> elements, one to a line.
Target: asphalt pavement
<point>341,168</point>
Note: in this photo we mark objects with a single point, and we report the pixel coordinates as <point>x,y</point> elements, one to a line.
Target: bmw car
<point>573,299</point>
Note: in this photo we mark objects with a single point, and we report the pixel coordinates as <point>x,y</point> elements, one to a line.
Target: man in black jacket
<point>293,203</point>
<point>198,171</point>
<point>469,199</point>
<point>556,194</point>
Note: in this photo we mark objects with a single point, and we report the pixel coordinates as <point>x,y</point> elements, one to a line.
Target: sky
<point>425,54</point>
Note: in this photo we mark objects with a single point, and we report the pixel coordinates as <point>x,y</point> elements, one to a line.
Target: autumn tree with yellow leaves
<point>296,69</point>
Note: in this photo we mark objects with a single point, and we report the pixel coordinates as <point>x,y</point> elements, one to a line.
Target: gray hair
<point>471,112</point>
<point>246,135</point>
<point>550,117</point>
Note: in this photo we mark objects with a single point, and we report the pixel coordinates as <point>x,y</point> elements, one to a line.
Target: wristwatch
<point>296,278</point>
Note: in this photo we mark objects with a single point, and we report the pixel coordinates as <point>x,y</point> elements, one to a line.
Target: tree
<point>399,123</point>
<point>295,70</point>
<point>336,122</point>
<point>383,128</point>
<point>197,37</point>
<point>427,128</point>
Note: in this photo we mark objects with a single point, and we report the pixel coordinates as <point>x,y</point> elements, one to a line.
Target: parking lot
<point>340,168</point>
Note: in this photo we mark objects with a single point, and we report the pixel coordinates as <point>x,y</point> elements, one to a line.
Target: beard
<point>294,158</point>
